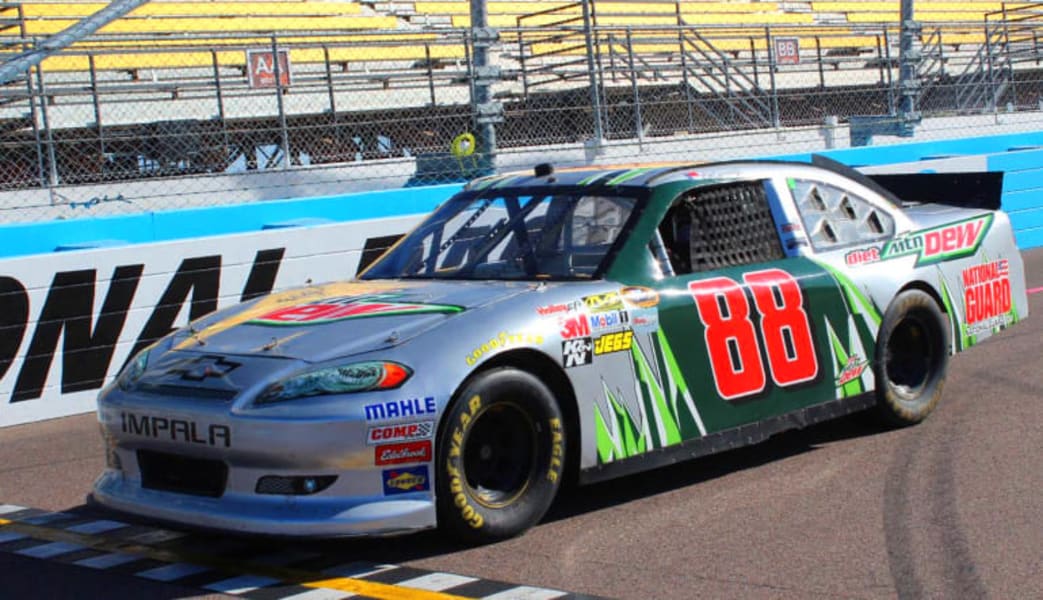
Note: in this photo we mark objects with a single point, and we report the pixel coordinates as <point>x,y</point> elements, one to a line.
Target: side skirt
<point>728,439</point>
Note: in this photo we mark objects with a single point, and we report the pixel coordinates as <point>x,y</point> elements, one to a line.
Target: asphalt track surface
<point>952,508</point>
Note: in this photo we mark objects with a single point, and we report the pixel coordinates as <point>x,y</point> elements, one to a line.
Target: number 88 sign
<point>732,340</point>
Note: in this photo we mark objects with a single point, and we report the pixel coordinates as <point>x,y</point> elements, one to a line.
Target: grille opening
<point>182,474</point>
<point>874,224</point>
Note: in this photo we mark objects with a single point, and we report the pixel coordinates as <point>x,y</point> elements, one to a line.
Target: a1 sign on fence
<point>262,68</point>
<point>787,51</point>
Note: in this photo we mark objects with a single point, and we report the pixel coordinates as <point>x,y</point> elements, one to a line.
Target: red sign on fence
<point>787,51</point>
<point>261,68</point>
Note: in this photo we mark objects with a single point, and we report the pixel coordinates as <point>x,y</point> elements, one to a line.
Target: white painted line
<point>96,527</point>
<point>241,584</point>
<point>6,509</point>
<point>107,561</point>
<point>10,537</point>
<point>319,594</point>
<point>172,571</point>
<point>436,582</point>
<point>355,571</point>
<point>525,592</point>
<point>50,550</point>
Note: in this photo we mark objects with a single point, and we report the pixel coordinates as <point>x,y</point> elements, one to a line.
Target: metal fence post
<point>276,67</point>
<point>595,93</point>
<point>40,171</point>
<point>638,125</point>
<point>220,100</point>
<point>776,118</point>
<point>48,134</point>
<point>684,67</point>
<point>97,111</point>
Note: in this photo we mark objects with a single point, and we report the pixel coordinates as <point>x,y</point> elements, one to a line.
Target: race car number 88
<point>731,337</point>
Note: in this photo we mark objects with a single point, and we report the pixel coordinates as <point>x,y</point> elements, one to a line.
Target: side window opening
<point>834,217</point>
<point>721,226</point>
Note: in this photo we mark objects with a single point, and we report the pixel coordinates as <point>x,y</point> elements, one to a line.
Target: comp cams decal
<point>400,432</point>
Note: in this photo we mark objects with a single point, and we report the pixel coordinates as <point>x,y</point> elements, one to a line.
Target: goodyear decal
<point>954,240</point>
<point>328,310</point>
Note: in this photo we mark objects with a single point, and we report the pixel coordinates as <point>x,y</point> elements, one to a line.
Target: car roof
<point>640,175</point>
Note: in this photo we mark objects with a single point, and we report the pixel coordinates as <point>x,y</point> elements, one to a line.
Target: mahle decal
<point>328,310</point>
<point>954,240</point>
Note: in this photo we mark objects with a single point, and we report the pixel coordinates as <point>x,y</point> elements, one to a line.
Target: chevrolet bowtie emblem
<point>205,366</point>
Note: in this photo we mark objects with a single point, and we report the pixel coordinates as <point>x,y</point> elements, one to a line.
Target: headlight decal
<point>344,379</point>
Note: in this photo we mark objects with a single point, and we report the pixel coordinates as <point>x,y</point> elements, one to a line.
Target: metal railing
<point>372,104</point>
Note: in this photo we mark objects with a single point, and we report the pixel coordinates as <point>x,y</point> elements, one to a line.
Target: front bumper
<point>296,516</point>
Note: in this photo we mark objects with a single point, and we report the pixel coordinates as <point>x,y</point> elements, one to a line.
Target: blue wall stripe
<point>21,239</point>
<point>1027,219</point>
<point>1029,238</point>
<point>1020,155</point>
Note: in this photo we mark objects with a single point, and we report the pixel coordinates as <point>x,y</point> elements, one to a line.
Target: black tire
<point>912,357</point>
<point>501,456</point>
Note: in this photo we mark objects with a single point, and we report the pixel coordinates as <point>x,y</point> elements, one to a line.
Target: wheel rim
<point>499,454</point>
<point>912,356</point>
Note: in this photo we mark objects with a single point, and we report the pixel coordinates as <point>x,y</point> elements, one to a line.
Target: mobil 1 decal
<point>761,340</point>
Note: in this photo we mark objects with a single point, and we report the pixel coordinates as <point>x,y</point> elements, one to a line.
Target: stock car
<point>571,325</point>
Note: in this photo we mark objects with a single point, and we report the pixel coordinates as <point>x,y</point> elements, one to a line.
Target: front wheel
<point>501,455</point>
<point>912,358</point>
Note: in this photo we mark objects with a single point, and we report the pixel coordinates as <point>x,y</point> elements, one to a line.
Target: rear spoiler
<point>982,190</point>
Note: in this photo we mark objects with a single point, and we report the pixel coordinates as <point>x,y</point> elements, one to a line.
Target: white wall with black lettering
<point>70,320</point>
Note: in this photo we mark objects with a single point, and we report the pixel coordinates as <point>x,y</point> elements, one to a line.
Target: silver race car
<point>552,326</point>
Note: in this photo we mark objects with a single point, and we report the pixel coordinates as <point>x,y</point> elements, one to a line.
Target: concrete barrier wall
<point>79,297</point>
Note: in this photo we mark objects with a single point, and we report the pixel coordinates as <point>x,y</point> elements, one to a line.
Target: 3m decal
<point>986,295</point>
<point>950,241</point>
<point>403,432</point>
<point>405,480</point>
<point>603,302</point>
<point>407,452</point>
<point>614,342</point>
<point>639,297</point>
<point>176,430</point>
<point>862,256</point>
<point>575,326</point>
<point>400,408</point>
<point>348,307</point>
<point>731,337</point>
<point>577,352</point>
<point>504,340</point>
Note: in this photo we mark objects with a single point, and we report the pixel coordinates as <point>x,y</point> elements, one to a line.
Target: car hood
<point>325,322</point>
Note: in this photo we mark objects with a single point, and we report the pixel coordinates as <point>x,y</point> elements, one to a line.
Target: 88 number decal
<point>732,339</point>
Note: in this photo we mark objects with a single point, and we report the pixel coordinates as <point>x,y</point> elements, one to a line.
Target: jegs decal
<point>613,342</point>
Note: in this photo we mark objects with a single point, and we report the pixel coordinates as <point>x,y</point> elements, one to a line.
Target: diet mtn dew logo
<point>954,240</point>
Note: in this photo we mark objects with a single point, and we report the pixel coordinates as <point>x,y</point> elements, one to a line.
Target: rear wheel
<point>501,454</point>
<point>912,358</point>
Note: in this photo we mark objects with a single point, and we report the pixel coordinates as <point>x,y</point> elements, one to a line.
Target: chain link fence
<point>144,122</point>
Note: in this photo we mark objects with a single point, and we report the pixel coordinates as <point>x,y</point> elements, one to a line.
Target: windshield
<point>508,236</point>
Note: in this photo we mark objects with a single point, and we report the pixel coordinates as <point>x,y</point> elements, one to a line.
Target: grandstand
<point>169,89</point>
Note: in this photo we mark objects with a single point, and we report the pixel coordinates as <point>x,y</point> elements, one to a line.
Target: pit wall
<point>79,297</point>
